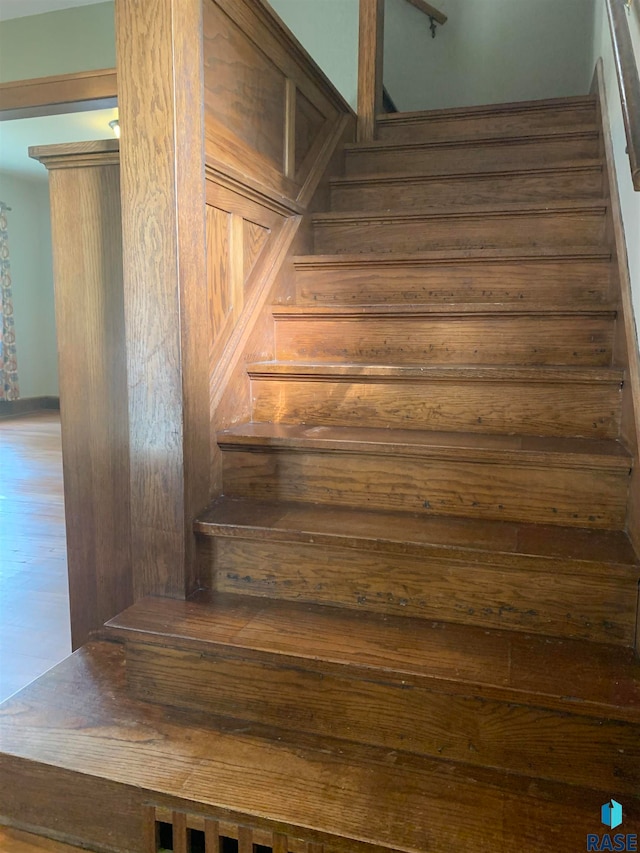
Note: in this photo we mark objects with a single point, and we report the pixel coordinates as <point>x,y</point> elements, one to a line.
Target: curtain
<point>9,389</point>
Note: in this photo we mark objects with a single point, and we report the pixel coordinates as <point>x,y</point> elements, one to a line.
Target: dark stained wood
<point>64,93</point>
<point>456,276</point>
<point>554,224</point>
<point>547,401</point>
<point>628,82</point>
<point>374,710</point>
<point>552,481</point>
<point>492,119</point>
<point>77,720</point>
<point>370,67</point>
<point>86,231</point>
<point>163,204</point>
<point>458,659</point>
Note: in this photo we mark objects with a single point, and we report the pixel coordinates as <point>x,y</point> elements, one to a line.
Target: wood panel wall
<point>160,95</point>
<point>84,182</point>
<point>273,123</point>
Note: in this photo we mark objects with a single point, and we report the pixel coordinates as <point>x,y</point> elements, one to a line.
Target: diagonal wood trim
<point>628,82</point>
<point>429,10</point>
<point>629,342</point>
<point>62,93</point>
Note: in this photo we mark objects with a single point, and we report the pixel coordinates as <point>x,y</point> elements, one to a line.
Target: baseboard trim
<point>27,406</point>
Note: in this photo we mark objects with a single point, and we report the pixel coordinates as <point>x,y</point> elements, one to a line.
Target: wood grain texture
<point>551,224</point>
<point>499,665</point>
<point>446,156</point>
<point>163,201</point>
<point>426,586</point>
<point>419,337</point>
<point>411,191</point>
<point>475,477</point>
<point>370,67</point>
<point>90,324</point>
<point>251,59</point>
<point>457,276</point>
<point>482,400</point>
<point>125,753</point>
<point>489,120</point>
<point>370,710</point>
<point>62,93</point>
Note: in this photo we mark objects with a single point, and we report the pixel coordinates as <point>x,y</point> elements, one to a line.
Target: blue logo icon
<point>611,814</point>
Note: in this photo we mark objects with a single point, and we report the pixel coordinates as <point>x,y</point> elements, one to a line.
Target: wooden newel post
<point>370,62</point>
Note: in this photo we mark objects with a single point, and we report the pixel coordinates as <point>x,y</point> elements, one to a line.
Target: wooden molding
<point>250,188</point>
<point>370,67</point>
<point>74,155</point>
<point>628,347</point>
<point>63,93</point>
<point>628,82</point>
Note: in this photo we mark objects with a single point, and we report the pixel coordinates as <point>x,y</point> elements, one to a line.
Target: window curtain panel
<point>9,388</point>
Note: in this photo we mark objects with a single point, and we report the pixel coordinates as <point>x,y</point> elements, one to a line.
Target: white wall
<point>328,30</point>
<point>489,51</point>
<point>32,283</point>
<point>629,199</point>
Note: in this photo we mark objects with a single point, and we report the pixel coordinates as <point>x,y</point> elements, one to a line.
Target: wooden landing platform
<point>78,752</point>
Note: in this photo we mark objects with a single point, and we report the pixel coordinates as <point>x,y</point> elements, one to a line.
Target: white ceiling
<point>16,137</point>
<point>24,8</point>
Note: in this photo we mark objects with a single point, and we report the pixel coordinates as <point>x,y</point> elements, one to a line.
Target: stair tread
<point>497,139</point>
<point>78,719</point>
<point>498,171</point>
<point>591,550</point>
<point>598,205</point>
<point>536,253</point>
<point>577,675</point>
<point>489,109</point>
<point>409,309</point>
<point>490,373</point>
<point>565,452</point>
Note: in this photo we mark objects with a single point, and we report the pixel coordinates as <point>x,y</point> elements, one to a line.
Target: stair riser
<point>446,340</point>
<point>474,157</point>
<point>481,732</point>
<point>582,497</point>
<point>416,194</point>
<point>587,411</point>
<point>549,601</point>
<point>509,230</point>
<point>567,283</point>
<point>431,129</point>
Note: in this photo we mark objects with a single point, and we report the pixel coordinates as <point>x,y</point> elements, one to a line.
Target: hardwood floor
<point>34,598</point>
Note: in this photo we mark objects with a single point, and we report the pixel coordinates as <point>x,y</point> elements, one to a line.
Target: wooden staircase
<point>417,623</point>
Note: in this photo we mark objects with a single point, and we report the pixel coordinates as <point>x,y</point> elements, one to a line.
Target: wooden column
<point>370,67</point>
<point>160,95</point>
<point>87,260</point>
